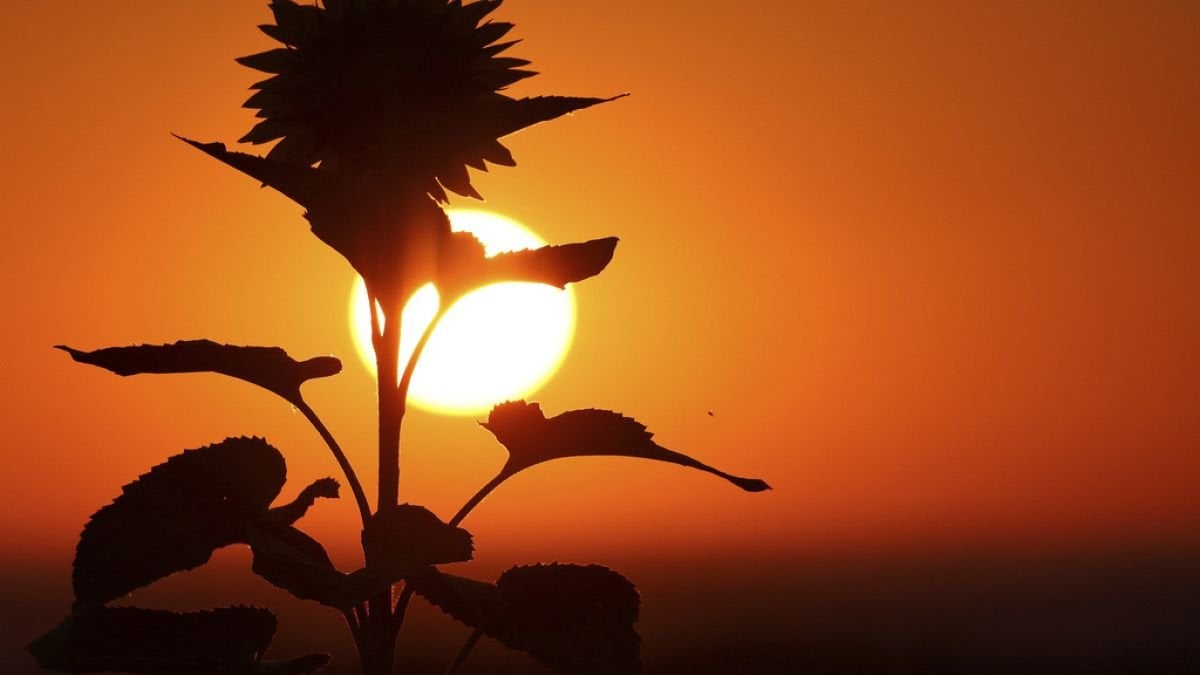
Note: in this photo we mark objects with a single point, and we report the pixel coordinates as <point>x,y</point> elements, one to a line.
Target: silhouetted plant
<point>378,107</point>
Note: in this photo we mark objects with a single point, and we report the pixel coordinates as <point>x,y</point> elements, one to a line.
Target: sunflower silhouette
<point>410,89</point>
<point>378,107</point>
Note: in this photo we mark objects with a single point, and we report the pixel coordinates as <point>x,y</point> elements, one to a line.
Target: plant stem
<point>383,620</point>
<point>478,497</point>
<point>378,642</point>
<point>411,366</point>
<point>378,649</point>
<point>360,497</point>
<point>464,651</point>
<point>391,413</point>
<point>402,605</point>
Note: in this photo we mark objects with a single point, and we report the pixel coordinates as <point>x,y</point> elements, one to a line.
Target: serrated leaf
<point>464,266</point>
<point>530,438</point>
<point>269,367</point>
<point>408,538</point>
<point>322,488</point>
<point>514,115</point>
<point>297,563</point>
<point>573,618</point>
<point>556,265</point>
<point>300,183</point>
<point>225,641</point>
<point>173,517</point>
<point>466,600</point>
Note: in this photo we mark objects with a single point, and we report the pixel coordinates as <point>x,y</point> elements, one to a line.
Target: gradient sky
<point>934,267</point>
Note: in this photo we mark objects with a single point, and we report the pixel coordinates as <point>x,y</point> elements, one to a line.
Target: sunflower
<point>407,89</point>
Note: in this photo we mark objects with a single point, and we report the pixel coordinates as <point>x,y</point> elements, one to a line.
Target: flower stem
<point>360,497</point>
<point>464,652</point>
<point>478,497</point>
<point>411,366</point>
<point>386,338</point>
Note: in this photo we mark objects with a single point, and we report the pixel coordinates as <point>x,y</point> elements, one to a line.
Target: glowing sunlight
<point>499,342</point>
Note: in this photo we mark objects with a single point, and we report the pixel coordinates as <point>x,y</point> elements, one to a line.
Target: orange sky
<point>933,268</point>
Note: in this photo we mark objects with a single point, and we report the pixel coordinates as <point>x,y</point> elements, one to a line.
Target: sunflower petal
<point>271,61</point>
<point>455,177</point>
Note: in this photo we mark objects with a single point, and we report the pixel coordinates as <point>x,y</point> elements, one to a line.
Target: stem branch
<point>360,497</point>
<point>411,366</point>
<point>464,651</point>
<point>478,497</point>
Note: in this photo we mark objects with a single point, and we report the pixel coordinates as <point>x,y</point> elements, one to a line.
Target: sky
<point>931,266</point>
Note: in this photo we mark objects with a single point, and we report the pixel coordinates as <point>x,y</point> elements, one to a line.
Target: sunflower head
<point>410,88</point>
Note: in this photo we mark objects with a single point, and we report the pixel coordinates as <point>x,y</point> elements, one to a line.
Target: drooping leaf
<point>296,562</point>
<point>408,538</point>
<point>467,601</point>
<point>269,367</point>
<point>224,641</point>
<point>513,115</point>
<point>556,265</point>
<point>531,438</point>
<point>299,182</point>
<point>573,618</point>
<point>322,488</point>
<point>173,517</point>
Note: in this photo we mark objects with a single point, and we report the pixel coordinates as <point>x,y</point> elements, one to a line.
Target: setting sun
<point>499,342</point>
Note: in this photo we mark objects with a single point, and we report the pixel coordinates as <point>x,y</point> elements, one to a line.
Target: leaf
<point>173,517</point>
<point>466,600</point>
<point>465,266</point>
<point>298,182</point>
<point>297,563</point>
<point>511,115</point>
<point>324,488</point>
<point>573,618</point>
<point>553,265</point>
<point>154,642</point>
<point>269,367</point>
<point>531,438</point>
<point>407,538</point>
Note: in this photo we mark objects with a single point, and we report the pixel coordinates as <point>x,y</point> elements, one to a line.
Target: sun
<point>499,342</point>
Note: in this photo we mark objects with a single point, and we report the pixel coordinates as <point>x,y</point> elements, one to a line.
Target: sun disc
<point>499,342</point>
